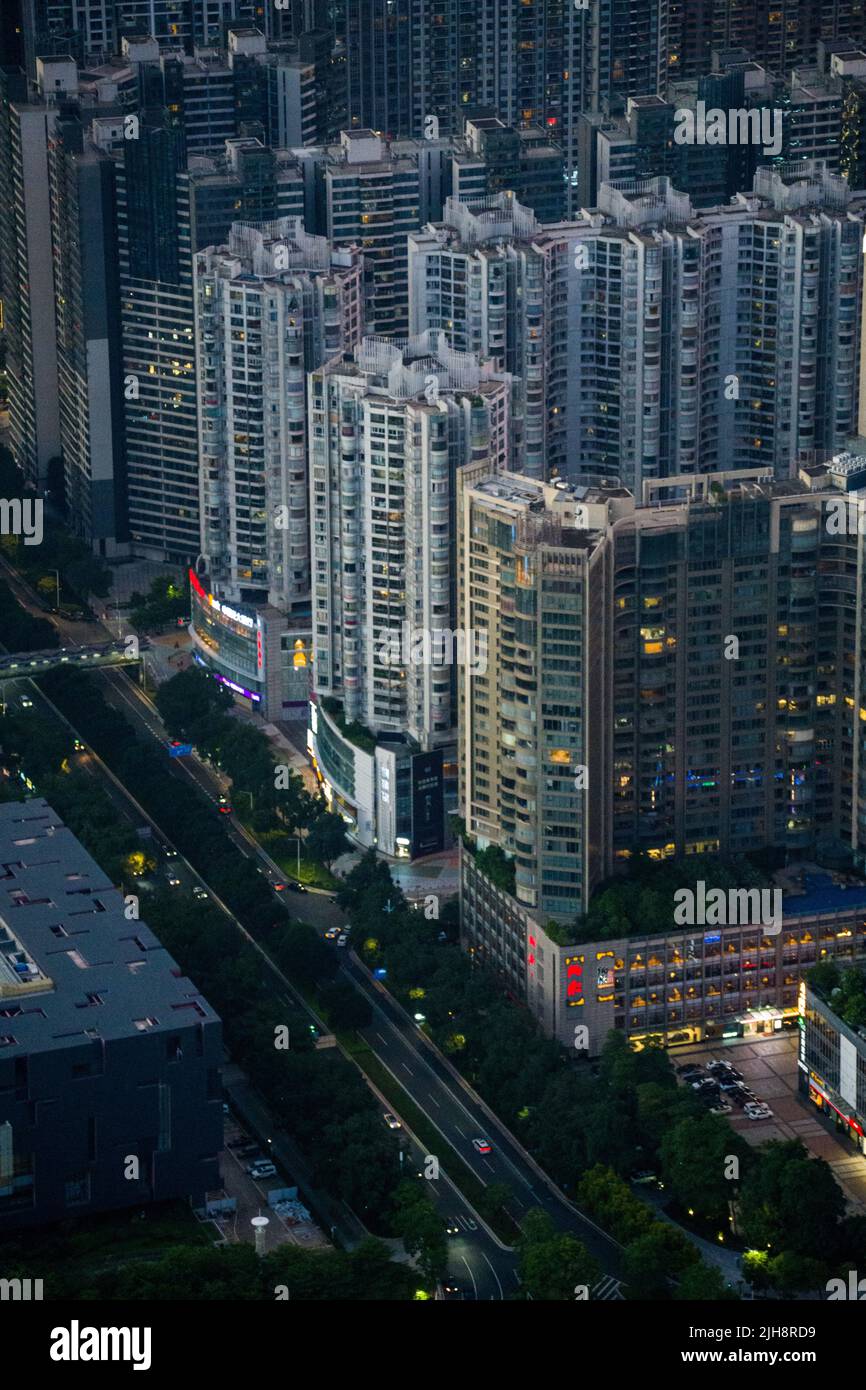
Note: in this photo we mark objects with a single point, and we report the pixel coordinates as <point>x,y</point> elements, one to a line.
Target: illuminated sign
<point>574,980</point>
<point>224,608</point>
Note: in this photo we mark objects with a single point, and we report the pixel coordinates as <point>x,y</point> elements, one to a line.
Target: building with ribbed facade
<point>388,430</point>
<point>270,306</point>
<point>667,339</point>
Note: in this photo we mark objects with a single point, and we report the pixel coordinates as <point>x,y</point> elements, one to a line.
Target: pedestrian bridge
<point>14,665</point>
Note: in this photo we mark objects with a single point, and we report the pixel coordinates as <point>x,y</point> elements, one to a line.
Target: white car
<point>343,939</point>
<point>391,1121</point>
<point>754,1111</point>
<point>261,1170</point>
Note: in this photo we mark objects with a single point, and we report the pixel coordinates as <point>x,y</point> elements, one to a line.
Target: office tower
<point>477,277</point>
<point>89,345</point>
<point>158,345</point>
<point>248,182</point>
<point>26,271</point>
<point>367,192</point>
<point>270,306</point>
<point>211,92</point>
<point>387,433</point>
<point>11,35</point>
<point>106,1050</point>
<point>643,143</point>
<point>491,157</point>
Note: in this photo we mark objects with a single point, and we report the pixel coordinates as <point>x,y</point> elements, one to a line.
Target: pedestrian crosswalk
<point>607,1288</point>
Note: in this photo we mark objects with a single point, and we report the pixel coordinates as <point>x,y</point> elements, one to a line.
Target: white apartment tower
<point>269,307</point>
<point>388,431</point>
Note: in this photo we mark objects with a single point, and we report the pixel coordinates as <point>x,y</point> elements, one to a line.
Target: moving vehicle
<point>391,1120</point>
<point>482,1145</point>
<point>173,880</point>
<point>343,939</point>
<point>26,702</point>
<point>199,892</point>
<point>332,933</point>
<point>644,1177</point>
<point>292,885</point>
<point>451,1227</point>
<point>224,806</point>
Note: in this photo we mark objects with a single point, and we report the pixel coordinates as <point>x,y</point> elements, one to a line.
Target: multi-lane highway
<point>479,1265</point>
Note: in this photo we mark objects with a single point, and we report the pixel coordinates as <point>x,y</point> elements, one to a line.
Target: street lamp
<point>297,840</point>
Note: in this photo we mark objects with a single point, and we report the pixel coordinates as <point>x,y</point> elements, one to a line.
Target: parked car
<point>644,1177</point>
<point>757,1111</point>
<point>264,1169</point>
<point>721,1108</point>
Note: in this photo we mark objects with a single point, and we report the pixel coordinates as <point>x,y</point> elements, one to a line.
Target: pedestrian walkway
<point>607,1289</point>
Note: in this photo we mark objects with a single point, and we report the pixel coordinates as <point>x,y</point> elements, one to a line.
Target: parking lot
<point>769,1069</point>
<point>251,1195</point>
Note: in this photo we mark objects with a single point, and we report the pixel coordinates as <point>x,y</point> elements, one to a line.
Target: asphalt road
<point>478,1264</point>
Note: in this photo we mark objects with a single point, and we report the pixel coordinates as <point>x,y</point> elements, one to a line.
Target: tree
<point>346,1007</point>
<point>695,1158</point>
<point>790,1201</point>
<point>552,1264</point>
<point>702,1283</point>
<point>654,1259</point>
<point>187,700</point>
<point>326,839</point>
<point>419,1225</point>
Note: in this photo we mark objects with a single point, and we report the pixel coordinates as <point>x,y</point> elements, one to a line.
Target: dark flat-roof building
<point>109,1058</point>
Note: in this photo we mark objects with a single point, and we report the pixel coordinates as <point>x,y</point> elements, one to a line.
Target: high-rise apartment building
<point>653,354</point>
<point>477,277</point>
<point>675,677</point>
<point>270,306</point>
<point>93,30</point>
<point>387,433</point>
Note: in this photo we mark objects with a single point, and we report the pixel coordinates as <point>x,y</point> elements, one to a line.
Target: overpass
<point>15,665</point>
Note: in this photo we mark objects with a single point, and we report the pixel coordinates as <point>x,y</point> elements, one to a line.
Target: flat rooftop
<point>72,966</point>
